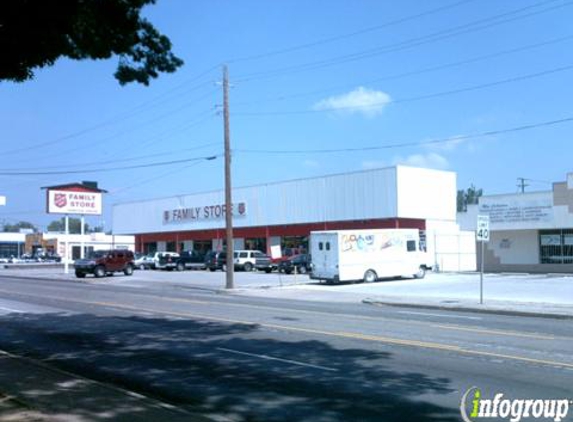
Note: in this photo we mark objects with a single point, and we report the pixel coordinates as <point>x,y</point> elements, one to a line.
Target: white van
<point>366,255</point>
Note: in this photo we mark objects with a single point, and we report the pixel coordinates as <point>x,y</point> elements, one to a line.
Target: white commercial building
<point>529,232</point>
<point>285,213</point>
<point>12,244</point>
<point>56,243</point>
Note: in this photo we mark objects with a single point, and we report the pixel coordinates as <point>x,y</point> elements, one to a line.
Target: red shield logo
<point>242,208</point>
<point>60,200</point>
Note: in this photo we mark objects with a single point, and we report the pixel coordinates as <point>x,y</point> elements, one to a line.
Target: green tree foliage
<point>468,197</point>
<point>15,228</point>
<point>75,225</point>
<point>35,33</point>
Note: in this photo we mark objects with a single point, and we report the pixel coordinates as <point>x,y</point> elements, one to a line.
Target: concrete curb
<point>461,308</point>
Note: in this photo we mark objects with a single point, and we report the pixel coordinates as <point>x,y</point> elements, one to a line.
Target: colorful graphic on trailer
<point>371,242</point>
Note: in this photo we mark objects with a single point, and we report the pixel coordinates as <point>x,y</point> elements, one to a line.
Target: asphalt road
<point>235,358</point>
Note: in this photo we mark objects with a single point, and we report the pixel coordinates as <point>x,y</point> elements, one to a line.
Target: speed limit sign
<point>482,233</point>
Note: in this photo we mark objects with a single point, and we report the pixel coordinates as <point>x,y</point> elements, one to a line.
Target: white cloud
<point>361,100</point>
<point>430,160</point>
<point>449,145</point>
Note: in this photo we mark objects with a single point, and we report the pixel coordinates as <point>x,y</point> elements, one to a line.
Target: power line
<point>108,169</point>
<point>413,144</point>
<point>415,72</point>
<point>151,179</point>
<point>123,160</point>
<point>120,117</point>
<point>348,35</point>
<point>205,115</point>
<point>477,25</point>
<point>412,99</point>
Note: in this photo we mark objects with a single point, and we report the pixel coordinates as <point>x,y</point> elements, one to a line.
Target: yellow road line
<point>482,330</point>
<point>479,330</point>
<point>366,337</point>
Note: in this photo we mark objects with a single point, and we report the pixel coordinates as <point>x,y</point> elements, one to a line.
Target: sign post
<point>67,243</point>
<point>482,235</point>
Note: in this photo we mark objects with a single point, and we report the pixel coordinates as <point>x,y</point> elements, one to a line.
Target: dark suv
<point>101,263</point>
<point>214,260</point>
<point>299,263</point>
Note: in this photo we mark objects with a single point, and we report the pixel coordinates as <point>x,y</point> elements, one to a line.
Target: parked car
<point>215,260</point>
<point>166,260</point>
<point>143,262</point>
<point>250,260</point>
<point>101,263</point>
<point>286,253</point>
<point>155,256</point>
<point>190,260</point>
<point>50,258</point>
<point>300,263</point>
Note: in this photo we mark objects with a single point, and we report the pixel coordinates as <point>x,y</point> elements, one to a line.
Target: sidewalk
<point>511,294</point>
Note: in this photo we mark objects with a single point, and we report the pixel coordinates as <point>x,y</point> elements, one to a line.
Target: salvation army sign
<point>72,202</point>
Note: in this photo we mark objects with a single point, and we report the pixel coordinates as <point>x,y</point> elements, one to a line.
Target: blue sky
<point>376,81</point>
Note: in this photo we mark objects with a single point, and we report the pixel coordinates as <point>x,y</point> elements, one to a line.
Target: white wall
<point>98,241</point>
<point>515,246</point>
<point>426,194</point>
<point>13,237</point>
<point>352,196</point>
<point>450,248</point>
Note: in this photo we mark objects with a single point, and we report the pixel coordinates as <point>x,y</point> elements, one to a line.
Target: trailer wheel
<point>370,276</point>
<point>421,272</point>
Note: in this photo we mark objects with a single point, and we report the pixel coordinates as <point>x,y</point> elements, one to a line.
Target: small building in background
<point>529,232</point>
<point>54,243</point>
<point>12,245</point>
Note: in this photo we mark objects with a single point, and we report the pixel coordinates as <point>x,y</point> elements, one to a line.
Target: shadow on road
<point>240,371</point>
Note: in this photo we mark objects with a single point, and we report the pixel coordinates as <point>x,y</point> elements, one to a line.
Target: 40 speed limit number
<point>482,232</point>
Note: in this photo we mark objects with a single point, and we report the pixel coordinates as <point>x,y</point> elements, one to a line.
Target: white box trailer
<point>366,255</point>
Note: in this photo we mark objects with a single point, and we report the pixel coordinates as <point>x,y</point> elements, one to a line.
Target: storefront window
<point>8,250</point>
<point>202,246</point>
<point>150,247</point>
<point>256,244</point>
<point>292,245</point>
<point>556,246</point>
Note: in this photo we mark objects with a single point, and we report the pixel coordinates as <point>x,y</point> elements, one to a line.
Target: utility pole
<point>230,264</point>
<point>522,185</point>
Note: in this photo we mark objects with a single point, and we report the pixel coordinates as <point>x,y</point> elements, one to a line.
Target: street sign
<point>482,233</point>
